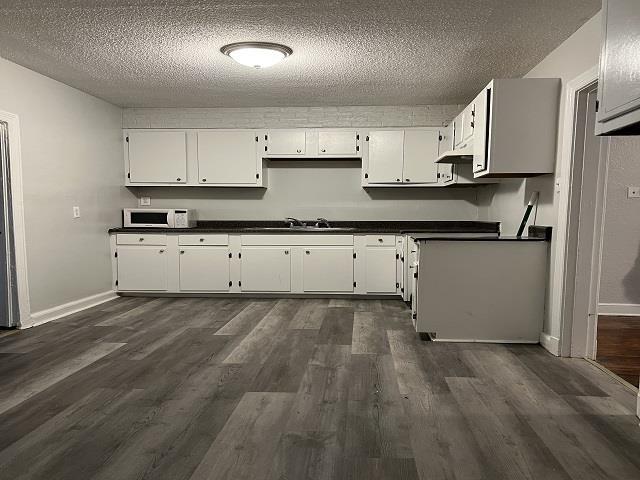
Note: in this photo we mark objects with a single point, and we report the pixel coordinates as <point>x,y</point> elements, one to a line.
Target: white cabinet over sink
<point>310,143</point>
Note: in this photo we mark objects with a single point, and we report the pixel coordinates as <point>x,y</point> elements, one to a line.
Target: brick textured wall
<point>291,117</point>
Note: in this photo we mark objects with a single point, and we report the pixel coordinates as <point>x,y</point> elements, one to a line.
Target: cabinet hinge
<point>116,283</point>
<point>397,285</point>
<point>414,316</point>
<point>230,255</point>
<point>265,148</point>
<point>257,175</point>
<point>357,137</point>
<point>256,138</point>
<point>402,259</point>
<point>230,283</point>
<point>366,175</point>
<point>402,289</point>
<point>357,148</point>
<point>129,175</point>
<point>415,275</point>
<point>354,284</point>
<point>239,283</point>
<point>127,138</point>
<point>116,255</point>
<point>367,138</point>
<point>354,254</point>
<point>397,256</point>
<point>240,255</point>
<point>266,137</point>
<point>597,105</point>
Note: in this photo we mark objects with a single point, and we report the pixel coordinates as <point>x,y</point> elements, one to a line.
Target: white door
<point>337,142</point>
<point>386,153</point>
<point>381,266</point>
<point>204,269</point>
<point>328,269</point>
<point>157,157</point>
<point>142,268</point>
<point>286,142</point>
<point>227,157</point>
<point>421,149</point>
<point>265,269</point>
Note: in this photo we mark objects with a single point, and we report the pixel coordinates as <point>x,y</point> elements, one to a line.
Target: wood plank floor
<point>619,346</point>
<point>297,389</point>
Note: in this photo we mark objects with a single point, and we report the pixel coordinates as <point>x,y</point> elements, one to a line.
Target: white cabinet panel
<point>204,239</point>
<point>286,142</point>
<point>337,142</point>
<point>142,268</point>
<point>457,126</point>
<point>157,157</point>
<point>421,148</point>
<point>265,269</point>
<point>204,269</point>
<point>141,239</point>
<point>381,268</point>
<point>227,157</point>
<point>468,123</point>
<point>386,153</point>
<point>328,269</point>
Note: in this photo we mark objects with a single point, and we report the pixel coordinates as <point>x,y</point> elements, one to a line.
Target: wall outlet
<point>145,201</point>
<point>76,212</point>
<point>633,192</point>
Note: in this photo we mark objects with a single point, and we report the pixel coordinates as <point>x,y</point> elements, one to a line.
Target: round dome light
<point>257,54</point>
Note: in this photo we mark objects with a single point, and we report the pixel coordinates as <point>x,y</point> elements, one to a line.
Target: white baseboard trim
<point>550,343</point>
<point>44,316</point>
<point>632,309</point>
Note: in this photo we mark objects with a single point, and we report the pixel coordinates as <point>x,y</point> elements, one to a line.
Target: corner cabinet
<point>619,83</point>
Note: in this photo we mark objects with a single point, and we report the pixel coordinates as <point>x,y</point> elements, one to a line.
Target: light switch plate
<point>76,212</point>
<point>145,201</point>
<point>633,192</point>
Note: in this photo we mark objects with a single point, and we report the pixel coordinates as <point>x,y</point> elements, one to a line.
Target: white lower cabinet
<point>327,269</point>
<point>142,268</point>
<point>381,269</point>
<point>265,269</point>
<point>204,269</point>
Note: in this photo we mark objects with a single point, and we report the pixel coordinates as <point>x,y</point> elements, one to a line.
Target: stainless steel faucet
<point>294,222</point>
<point>322,222</point>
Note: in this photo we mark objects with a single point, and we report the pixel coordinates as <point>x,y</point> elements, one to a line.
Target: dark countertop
<point>480,239</point>
<point>346,227</point>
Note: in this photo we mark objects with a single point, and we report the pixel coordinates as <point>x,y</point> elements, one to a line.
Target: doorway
<point>9,309</point>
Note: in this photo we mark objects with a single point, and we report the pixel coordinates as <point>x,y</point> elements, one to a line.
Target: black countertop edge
<point>480,239</point>
<point>383,226</point>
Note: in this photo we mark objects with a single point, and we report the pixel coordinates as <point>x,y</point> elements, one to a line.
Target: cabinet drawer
<point>141,239</point>
<point>381,240</point>
<point>204,239</point>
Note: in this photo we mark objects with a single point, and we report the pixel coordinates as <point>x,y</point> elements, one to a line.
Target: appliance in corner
<point>159,218</point>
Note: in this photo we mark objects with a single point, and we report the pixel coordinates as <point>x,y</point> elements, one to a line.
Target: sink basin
<point>300,229</point>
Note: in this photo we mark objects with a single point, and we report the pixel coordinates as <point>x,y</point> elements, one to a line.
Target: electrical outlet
<point>76,212</point>
<point>633,192</point>
<point>145,201</point>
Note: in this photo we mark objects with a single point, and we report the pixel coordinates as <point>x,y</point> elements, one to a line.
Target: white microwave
<point>158,218</point>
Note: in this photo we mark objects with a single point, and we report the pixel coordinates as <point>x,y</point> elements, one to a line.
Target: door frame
<point>582,345</point>
<point>17,206</point>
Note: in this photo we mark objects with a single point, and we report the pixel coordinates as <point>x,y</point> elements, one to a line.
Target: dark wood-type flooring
<point>202,388</point>
<point>619,346</point>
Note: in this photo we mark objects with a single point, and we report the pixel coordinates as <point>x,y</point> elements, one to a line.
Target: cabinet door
<point>421,149</point>
<point>227,157</point>
<point>381,265</point>
<point>457,131</point>
<point>445,173</point>
<point>468,123</point>
<point>337,143</point>
<point>157,157</point>
<point>619,86</point>
<point>265,269</point>
<point>142,268</point>
<point>328,269</point>
<point>204,269</point>
<point>386,155</point>
<point>482,140</point>
<point>286,142</point>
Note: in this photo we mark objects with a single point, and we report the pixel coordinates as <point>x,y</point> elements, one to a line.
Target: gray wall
<point>309,189</point>
<point>71,155</point>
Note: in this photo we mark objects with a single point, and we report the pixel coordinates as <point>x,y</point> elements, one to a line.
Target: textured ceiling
<point>346,52</point>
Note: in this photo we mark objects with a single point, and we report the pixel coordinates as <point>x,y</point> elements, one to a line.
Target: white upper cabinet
<point>338,143</point>
<point>228,157</point>
<point>516,128</point>
<point>286,143</point>
<point>619,84</point>
<point>421,148</point>
<point>157,157</point>
<point>386,156</point>
<point>328,269</point>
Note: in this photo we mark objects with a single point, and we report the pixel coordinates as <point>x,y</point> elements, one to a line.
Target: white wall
<point>71,155</point>
<point>309,189</point>
<point>620,275</point>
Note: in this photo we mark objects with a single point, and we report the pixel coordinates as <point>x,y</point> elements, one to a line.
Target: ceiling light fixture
<point>257,54</point>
